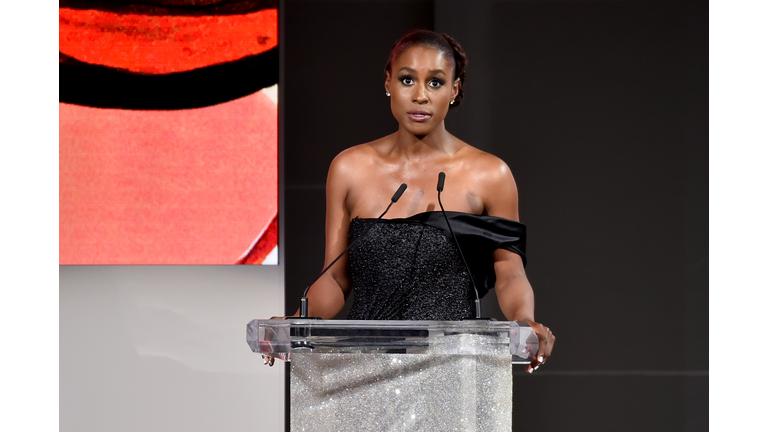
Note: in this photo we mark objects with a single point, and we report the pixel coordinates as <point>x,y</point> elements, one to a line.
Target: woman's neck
<point>413,146</point>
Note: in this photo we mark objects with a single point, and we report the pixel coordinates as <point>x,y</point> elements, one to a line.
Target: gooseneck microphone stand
<point>478,307</point>
<point>304,308</point>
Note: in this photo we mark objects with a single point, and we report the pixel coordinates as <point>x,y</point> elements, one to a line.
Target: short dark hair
<point>441,42</point>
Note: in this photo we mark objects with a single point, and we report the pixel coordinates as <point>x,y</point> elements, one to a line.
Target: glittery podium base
<point>460,383</point>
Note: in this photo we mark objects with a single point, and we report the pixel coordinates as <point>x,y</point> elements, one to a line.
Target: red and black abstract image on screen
<point>168,132</point>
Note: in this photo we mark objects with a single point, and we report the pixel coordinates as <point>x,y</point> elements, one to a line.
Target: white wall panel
<point>159,348</point>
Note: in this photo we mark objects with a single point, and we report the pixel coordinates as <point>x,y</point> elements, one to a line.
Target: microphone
<point>440,184</point>
<point>304,308</point>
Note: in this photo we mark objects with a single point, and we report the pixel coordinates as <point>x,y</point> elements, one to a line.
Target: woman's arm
<point>513,290</point>
<point>328,295</point>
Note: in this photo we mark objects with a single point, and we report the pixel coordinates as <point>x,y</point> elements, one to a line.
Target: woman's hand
<point>269,360</point>
<point>515,297</point>
<point>546,343</point>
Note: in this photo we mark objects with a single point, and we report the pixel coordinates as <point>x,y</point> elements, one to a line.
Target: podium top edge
<point>390,324</point>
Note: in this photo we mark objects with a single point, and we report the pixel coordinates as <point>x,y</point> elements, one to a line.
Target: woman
<point>407,266</point>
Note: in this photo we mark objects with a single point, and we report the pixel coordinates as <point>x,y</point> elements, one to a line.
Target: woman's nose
<point>420,94</point>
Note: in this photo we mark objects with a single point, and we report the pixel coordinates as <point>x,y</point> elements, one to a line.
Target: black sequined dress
<point>410,269</point>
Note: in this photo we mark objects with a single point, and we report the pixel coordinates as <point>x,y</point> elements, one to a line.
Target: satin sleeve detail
<point>479,236</point>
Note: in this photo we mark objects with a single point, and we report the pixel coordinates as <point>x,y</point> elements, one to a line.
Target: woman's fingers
<point>269,360</point>
<point>551,343</point>
<point>546,343</point>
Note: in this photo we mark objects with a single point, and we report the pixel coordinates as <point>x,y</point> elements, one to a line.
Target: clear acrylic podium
<point>397,375</point>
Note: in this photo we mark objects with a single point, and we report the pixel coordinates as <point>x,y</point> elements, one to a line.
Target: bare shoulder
<point>493,181</point>
<point>354,160</point>
<point>490,170</point>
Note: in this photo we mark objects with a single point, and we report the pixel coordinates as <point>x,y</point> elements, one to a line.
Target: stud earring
<point>452,101</point>
<point>387,94</point>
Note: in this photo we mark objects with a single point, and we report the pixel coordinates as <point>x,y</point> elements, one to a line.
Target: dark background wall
<point>600,108</point>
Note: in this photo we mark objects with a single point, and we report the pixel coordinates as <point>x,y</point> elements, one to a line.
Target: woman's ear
<point>455,89</point>
<point>386,82</point>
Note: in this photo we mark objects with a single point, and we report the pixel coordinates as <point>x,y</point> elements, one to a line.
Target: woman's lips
<point>418,116</point>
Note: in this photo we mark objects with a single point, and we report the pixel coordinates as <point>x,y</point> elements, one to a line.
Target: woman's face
<point>421,89</point>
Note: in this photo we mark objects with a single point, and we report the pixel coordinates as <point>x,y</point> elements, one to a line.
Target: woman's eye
<point>407,80</point>
<point>435,83</point>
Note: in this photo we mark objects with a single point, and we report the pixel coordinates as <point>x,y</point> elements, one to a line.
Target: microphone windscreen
<point>440,181</point>
<point>399,192</point>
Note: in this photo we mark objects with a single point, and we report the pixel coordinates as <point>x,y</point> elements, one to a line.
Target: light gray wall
<point>162,348</point>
